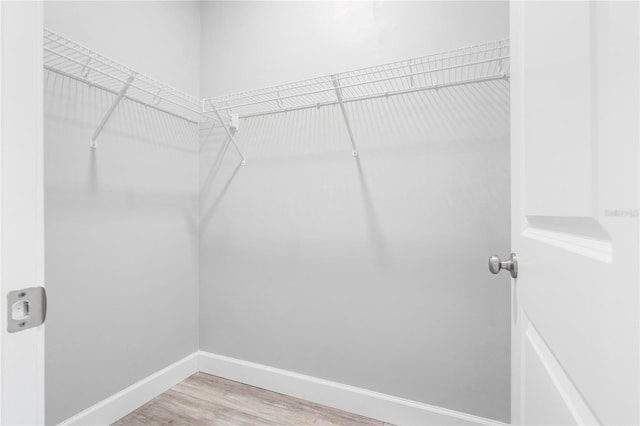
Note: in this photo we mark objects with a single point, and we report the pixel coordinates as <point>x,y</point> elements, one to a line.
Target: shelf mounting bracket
<point>228,132</point>
<point>336,85</point>
<point>93,143</point>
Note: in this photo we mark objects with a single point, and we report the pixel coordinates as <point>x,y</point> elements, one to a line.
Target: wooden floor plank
<point>267,404</point>
<point>176,408</point>
<point>203,399</point>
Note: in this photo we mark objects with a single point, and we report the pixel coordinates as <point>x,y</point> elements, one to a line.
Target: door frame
<point>21,206</point>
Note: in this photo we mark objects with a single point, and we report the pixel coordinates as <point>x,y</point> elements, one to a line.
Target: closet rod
<point>115,92</point>
<point>376,96</point>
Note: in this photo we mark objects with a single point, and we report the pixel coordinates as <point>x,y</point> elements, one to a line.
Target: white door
<point>21,209</point>
<point>575,113</point>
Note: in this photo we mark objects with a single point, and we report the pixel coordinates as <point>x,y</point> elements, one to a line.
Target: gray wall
<point>122,221</point>
<point>369,272</point>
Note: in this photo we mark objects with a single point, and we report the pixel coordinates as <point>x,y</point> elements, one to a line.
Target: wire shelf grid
<point>483,62</point>
<point>73,60</point>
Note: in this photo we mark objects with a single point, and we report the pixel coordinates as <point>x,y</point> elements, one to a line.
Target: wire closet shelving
<point>73,60</point>
<point>473,64</point>
<point>482,62</point>
<point>467,65</point>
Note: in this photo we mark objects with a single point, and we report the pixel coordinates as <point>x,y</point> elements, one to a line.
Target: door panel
<point>558,99</point>
<point>552,398</point>
<point>575,97</point>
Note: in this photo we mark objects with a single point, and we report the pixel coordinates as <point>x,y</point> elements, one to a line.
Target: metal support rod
<point>318,105</point>
<point>411,75</point>
<point>336,84</point>
<point>229,134</point>
<point>93,143</point>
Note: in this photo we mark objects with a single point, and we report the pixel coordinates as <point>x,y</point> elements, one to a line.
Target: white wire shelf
<point>483,62</point>
<point>473,64</point>
<point>73,60</point>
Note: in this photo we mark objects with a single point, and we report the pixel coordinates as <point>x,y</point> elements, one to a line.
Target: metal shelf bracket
<point>93,143</point>
<point>336,85</point>
<point>228,132</point>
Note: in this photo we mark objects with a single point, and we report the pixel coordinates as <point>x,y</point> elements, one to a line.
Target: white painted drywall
<point>158,38</point>
<point>252,44</point>
<point>121,221</point>
<point>369,272</point>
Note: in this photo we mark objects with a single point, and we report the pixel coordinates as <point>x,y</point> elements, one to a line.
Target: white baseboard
<point>127,400</point>
<point>368,403</point>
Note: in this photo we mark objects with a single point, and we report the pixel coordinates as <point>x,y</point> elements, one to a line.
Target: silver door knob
<point>511,265</point>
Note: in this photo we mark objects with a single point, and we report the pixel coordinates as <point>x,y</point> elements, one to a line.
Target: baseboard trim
<point>368,403</point>
<point>356,400</point>
<point>122,403</point>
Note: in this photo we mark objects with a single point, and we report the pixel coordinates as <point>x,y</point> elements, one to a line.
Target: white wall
<point>121,221</point>
<point>369,272</point>
<point>248,45</point>
<point>158,38</point>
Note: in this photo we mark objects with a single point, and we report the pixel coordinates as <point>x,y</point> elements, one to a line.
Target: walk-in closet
<point>266,212</point>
